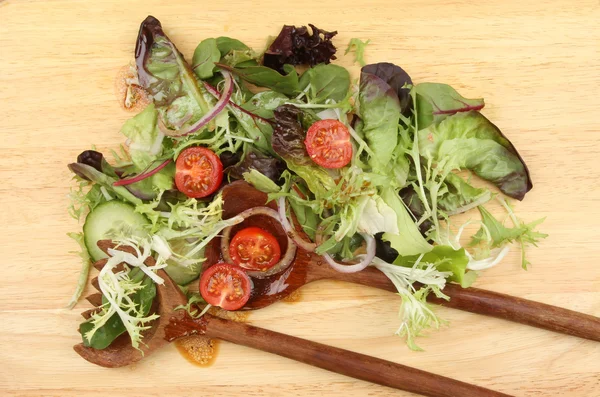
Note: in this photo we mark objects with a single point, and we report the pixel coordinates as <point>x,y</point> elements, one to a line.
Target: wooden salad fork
<point>308,267</point>
<point>174,324</point>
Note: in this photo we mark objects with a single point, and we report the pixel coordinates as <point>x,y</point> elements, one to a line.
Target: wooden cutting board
<point>537,67</point>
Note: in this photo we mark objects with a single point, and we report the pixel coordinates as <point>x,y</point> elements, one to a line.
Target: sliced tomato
<point>226,286</point>
<point>199,172</point>
<point>328,143</point>
<point>254,249</point>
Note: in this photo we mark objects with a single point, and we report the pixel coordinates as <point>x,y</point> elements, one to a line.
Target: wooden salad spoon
<point>308,267</point>
<point>174,324</point>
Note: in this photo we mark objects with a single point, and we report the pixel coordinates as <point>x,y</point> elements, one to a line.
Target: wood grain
<point>535,63</point>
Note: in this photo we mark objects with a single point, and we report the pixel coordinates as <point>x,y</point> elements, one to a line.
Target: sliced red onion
<point>283,263</point>
<point>365,261</point>
<point>291,230</point>
<point>212,113</point>
<point>142,176</point>
<point>214,92</point>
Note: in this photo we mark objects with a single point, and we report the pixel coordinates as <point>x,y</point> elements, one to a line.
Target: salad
<point>363,172</point>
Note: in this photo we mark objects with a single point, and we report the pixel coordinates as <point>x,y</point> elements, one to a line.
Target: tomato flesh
<point>199,172</point>
<point>226,286</point>
<point>254,249</point>
<point>328,143</point>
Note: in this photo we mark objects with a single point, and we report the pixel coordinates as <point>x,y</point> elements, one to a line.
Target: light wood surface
<point>536,64</point>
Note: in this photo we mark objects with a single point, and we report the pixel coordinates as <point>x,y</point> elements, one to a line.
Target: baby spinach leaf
<point>90,173</point>
<point>264,103</point>
<point>380,114</point>
<point>306,217</point>
<point>227,44</point>
<point>263,76</point>
<point>325,82</point>
<point>445,259</point>
<point>436,101</point>
<point>165,75</point>
<point>469,140</point>
<point>205,56</point>
<point>240,58</point>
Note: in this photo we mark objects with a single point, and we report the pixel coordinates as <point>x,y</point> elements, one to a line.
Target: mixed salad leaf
<point>368,174</point>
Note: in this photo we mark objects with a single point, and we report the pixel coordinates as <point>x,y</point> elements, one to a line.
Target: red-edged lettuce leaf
<point>166,76</point>
<point>470,141</point>
<point>255,160</point>
<point>380,112</point>
<point>437,101</point>
<point>395,77</point>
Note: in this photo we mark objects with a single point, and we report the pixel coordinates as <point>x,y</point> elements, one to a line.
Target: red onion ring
<point>283,263</point>
<point>214,92</point>
<point>366,260</point>
<point>291,230</point>
<point>142,176</point>
<point>212,113</point>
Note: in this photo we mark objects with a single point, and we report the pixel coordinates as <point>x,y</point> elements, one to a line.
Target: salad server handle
<point>495,304</point>
<point>342,361</point>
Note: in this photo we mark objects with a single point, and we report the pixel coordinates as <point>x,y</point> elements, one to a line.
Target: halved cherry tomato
<point>254,249</point>
<point>199,172</point>
<point>226,286</point>
<point>328,143</point>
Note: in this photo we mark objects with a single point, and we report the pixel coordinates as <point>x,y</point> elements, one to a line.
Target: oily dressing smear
<point>201,350</point>
<point>131,96</point>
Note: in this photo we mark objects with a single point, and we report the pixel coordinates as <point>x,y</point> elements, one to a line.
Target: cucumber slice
<point>109,218</point>
<point>181,274</point>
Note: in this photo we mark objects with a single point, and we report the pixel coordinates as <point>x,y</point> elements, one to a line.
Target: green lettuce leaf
<point>145,139</point>
<point>445,259</point>
<point>458,196</point>
<point>205,56</point>
<point>260,181</point>
<point>263,76</point>
<point>165,75</point>
<point>409,240</point>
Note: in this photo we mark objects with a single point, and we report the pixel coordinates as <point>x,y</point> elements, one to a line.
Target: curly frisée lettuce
<point>401,188</point>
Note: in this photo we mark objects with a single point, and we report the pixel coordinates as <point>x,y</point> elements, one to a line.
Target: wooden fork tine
<point>95,299</point>
<point>100,264</point>
<point>88,313</point>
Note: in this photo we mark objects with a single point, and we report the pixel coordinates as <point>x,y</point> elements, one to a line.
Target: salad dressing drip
<point>201,350</point>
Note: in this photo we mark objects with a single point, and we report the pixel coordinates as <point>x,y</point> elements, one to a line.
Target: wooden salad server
<point>176,324</point>
<point>308,267</point>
